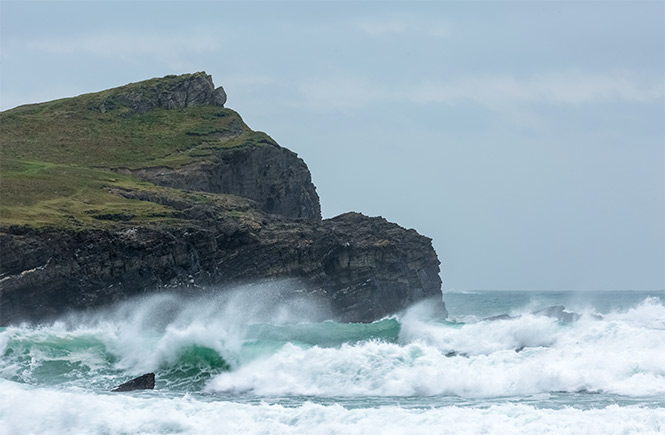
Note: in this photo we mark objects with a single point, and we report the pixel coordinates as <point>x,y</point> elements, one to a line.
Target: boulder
<point>143,382</point>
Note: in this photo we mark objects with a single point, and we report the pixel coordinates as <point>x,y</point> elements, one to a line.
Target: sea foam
<point>35,410</point>
<point>531,354</point>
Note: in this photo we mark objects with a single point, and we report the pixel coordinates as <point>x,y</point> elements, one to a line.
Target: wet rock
<point>454,353</point>
<point>143,382</point>
<point>558,312</point>
<point>364,267</point>
<point>498,317</point>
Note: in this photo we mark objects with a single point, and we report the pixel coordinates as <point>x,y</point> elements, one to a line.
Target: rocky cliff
<point>171,92</point>
<point>155,186</point>
<point>273,176</point>
<point>364,268</point>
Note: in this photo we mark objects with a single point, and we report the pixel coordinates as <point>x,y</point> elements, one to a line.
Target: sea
<point>241,361</point>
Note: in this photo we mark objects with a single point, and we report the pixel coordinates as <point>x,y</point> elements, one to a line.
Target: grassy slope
<point>55,158</point>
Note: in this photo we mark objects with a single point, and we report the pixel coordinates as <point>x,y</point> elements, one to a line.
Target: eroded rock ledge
<point>365,268</point>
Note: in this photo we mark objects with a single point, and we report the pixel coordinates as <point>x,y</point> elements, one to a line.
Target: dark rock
<point>218,97</point>
<point>454,353</point>
<point>170,92</point>
<point>143,382</point>
<point>365,268</point>
<point>498,317</point>
<point>276,178</point>
<point>558,312</point>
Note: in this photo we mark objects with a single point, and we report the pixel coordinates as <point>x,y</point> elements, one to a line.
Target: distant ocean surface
<point>240,362</point>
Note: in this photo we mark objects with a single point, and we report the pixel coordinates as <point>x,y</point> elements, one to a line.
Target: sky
<point>527,139</point>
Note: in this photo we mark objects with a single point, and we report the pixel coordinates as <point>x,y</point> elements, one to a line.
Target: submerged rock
<point>498,317</point>
<point>558,312</point>
<point>143,382</point>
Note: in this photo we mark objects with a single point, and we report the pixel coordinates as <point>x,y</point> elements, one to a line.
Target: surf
<point>242,344</point>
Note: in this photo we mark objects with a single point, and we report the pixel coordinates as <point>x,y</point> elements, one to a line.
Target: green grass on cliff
<point>41,195</point>
<point>56,158</point>
<point>65,131</point>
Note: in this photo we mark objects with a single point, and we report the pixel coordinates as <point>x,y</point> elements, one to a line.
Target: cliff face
<point>155,186</point>
<point>364,268</point>
<point>273,176</point>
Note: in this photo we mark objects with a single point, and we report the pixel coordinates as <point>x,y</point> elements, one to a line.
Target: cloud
<point>496,92</point>
<point>557,88</point>
<point>128,46</point>
<point>243,81</point>
<point>382,27</point>
<point>377,27</point>
<point>339,94</point>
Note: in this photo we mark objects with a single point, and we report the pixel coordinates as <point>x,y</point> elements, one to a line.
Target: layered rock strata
<point>363,268</point>
<point>274,177</point>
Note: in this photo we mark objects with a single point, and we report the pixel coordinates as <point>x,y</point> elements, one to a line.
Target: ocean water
<point>244,361</point>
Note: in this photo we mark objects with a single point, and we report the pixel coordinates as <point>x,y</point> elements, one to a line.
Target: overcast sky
<point>526,138</point>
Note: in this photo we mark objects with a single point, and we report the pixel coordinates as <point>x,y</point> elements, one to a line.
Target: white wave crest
<point>621,354</point>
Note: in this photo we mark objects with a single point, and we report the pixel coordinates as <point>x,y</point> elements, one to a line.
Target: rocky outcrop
<point>275,177</point>
<point>269,227</point>
<point>254,167</point>
<point>364,268</point>
<point>371,268</point>
<point>170,92</point>
<point>143,382</point>
<point>558,312</point>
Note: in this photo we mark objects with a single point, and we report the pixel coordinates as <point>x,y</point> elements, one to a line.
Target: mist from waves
<point>261,340</point>
<point>619,353</point>
<point>185,339</point>
<point>263,359</point>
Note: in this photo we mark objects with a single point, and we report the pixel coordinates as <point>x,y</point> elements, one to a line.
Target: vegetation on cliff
<point>59,160</point>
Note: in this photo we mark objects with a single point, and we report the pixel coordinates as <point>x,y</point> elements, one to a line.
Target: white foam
<point>146,334</point>
<point>25,410</point>
<point>621,354</point>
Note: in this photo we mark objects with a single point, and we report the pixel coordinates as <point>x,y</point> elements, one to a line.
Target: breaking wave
<point>233,344</point>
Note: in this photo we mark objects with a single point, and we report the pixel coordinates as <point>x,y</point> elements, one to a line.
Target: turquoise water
<point>242,362</point>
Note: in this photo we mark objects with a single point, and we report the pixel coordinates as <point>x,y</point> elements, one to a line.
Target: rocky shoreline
<point>365,268</point>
